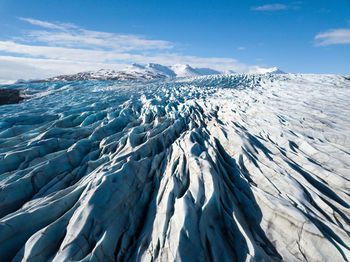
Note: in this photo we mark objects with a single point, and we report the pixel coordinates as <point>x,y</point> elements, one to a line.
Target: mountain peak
<point>134,65</point>
<point>261,70</point>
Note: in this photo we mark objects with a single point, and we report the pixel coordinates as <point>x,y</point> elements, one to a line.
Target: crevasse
<point>215,168</point>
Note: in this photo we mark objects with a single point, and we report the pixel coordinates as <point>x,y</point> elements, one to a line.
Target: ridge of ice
<point>213,168</point>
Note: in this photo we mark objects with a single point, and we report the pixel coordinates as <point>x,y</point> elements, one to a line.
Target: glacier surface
<point>213,168</point>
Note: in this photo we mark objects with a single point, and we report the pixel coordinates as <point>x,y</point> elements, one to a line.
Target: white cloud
<point>241,48</point>
<point>332,37</point>
<point>62,48</point>
<point>81,37</point>
<point>65,34</point>
<point>102,56</point>
<point>45,24</point>
<point>64,53</point>
<point>13,68</point>
<point>271,7</point>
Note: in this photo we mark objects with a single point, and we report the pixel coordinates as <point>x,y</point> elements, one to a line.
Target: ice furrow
<point>216,168</point>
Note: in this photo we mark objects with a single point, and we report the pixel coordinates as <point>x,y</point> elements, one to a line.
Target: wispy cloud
<point>278,6</point>
<point>59,26</point>
<point>62,48</point>
<point>66,34</point>
<point>333,37</point>
<point>271,7</point>
<point>109,57</point>
<point>13,68</point>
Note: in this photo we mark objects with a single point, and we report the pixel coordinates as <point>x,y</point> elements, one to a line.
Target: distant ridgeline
<point>149,71</point>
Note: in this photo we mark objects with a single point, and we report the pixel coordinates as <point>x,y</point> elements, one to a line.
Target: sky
<point>46,38</point>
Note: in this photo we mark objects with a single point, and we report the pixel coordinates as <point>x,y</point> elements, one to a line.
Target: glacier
<point>212,168</point>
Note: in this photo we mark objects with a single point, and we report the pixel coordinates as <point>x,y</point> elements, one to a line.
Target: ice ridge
<point>216,168</point>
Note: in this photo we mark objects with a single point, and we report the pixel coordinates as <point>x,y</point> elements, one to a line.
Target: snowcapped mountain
<point>151,71</point>
<point>275,70</point>
<point>208,71</point>
<point>220,168</point>
<point>157,68</point>
<point>260,70</point>
<point>188,71</point>
<point>133,72</point>
<point>185,70</point>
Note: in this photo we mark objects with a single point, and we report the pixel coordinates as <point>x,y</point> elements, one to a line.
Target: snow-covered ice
<point>213,168</point>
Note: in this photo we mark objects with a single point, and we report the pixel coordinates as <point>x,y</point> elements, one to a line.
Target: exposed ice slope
<point>219,168</point>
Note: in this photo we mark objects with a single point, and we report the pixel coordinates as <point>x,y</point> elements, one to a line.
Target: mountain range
<point>149,71</point>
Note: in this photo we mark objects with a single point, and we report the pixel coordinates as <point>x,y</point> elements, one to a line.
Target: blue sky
<point>39,38</point>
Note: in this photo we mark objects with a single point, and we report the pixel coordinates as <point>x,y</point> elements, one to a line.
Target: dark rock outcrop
<point>10,96</point>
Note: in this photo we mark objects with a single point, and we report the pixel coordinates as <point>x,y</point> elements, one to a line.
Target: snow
<point>184,70</point>
<point>212,168</point>
<point>157,68</point>
<point>148,71</point>
<point>261,70</point>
